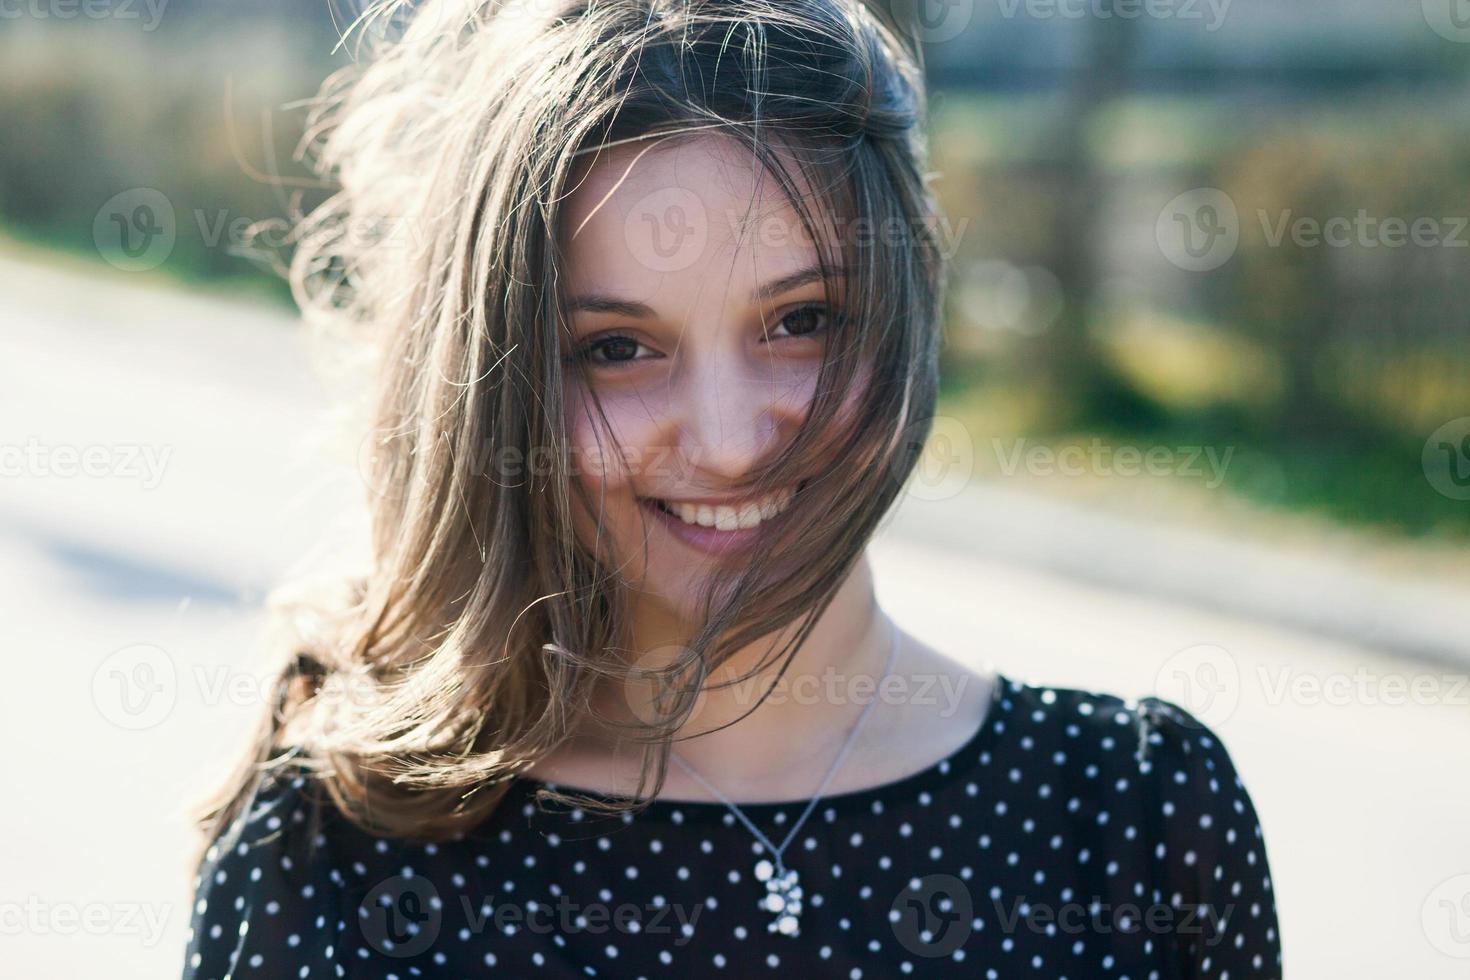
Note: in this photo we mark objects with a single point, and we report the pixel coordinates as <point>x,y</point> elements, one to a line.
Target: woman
<point>657,292</point>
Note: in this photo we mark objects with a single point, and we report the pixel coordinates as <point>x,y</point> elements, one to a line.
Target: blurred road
<point>162,482</point>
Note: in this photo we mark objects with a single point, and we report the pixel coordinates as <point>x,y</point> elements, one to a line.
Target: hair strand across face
<point>471,645</point>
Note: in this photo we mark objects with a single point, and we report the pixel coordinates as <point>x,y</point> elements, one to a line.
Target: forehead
<point>642,212</point>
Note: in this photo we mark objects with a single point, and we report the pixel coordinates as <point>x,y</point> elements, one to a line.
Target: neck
<point>784,743</point>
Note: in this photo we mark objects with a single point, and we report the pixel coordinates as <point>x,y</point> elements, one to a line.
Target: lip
<point>709,540</point>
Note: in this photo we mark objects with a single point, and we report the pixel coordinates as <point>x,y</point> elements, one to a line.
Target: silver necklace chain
<point>783,885</point>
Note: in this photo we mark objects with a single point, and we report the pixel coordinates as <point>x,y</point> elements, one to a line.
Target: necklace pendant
<point>783,897</point>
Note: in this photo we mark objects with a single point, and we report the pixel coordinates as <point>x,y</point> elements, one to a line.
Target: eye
<point>803,322</point>
<point>611,349</point>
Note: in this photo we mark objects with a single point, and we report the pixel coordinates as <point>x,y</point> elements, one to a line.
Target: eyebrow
<point>607,304</point>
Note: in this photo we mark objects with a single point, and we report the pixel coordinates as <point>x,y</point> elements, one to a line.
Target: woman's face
<point>698,317</point>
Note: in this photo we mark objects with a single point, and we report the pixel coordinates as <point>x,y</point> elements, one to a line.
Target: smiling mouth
<point>727,517</point>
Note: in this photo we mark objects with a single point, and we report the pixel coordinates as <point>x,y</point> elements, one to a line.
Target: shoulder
<point>1105,726</point>
<point>1147,756</point>
<point>292,887</point>
<point>283,815</point>
<point>265,895</point>
<point>1152,769</point>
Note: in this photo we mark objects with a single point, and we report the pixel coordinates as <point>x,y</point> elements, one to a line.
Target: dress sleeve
<point>1209,856</point>
<point>266,904</point>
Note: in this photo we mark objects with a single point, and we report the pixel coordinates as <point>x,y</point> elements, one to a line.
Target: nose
<point>732,417</point>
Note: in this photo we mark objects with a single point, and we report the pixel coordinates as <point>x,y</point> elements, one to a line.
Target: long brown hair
<point>469,648</point>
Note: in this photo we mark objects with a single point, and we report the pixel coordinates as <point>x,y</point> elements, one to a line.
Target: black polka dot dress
<point>1074,836</point>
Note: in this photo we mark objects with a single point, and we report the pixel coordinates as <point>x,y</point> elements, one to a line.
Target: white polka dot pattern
<point>1074,836</point>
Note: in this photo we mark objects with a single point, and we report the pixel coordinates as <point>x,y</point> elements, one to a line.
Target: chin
<point>667,560</point>
<point>676,585</point>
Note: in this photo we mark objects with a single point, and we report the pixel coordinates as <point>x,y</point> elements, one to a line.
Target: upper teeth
<point>727,518</point>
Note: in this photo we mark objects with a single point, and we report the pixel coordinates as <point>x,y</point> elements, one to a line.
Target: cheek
<point>797,389</point>
<point>608,458</point>
<point>793,387</point>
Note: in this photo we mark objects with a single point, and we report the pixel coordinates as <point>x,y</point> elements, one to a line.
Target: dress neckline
<point>930,778</point>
